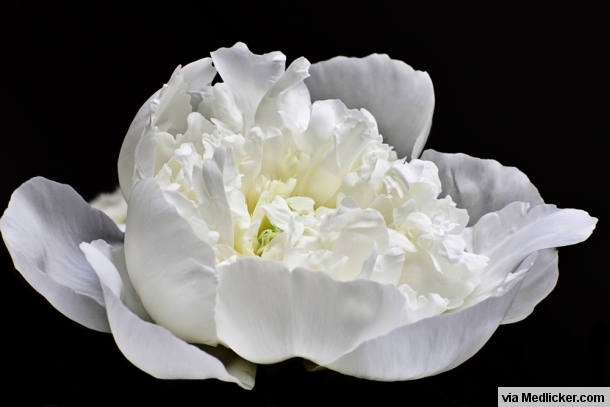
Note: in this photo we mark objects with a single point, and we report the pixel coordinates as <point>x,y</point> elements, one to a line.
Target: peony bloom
<point>285,212</point>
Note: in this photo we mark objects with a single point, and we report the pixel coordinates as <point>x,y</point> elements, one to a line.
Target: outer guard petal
<point>511,234</point>
<point>537,284</point>
<point>267,314</point>
<point>153,348</point>
<point>128,296</point>
<point>481,186</point>
<point>42,228</point>
<point>171,269</point>
<point>400,98</point>
<point>432,345</point>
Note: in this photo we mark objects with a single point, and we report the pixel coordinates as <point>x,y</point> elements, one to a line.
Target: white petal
<point>198,75</point>
<point>113,205</point>
<point>153,348</point>
<point>128,294</point>
<point>127,156</point>
<point>171,269</point>
<point>194,74</point>
<point>537,284</point>
<point>267,112</point>
<point>400,98</point>
<point>481,186</point>
<point>389,266</point>
<point>332,165</point>
<point>267,314</point>
<point>249,76</point>
<point>352,232</point>
<point>210,189</point>
<point>432,345</point>
<point>145,155</point>
<point>511,234</point>
<point>325,116</point>
<point>42,228</point>
<point>173,106</point>
<point>278,212</point>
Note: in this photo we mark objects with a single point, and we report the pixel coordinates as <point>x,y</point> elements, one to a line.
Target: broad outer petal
<point>42,228</point>
<point>432,345</point>
<point>399,97</point>
<point>485,186</point>
<point>128,296</point>
<point>267,314</point>
<point>481,186</point>
<point>171,269</point>
<point>537,284</point>
<point>511,234</point>
<point>153,348</point>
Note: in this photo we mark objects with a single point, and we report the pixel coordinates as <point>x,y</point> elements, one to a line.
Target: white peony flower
<point>262,227</point>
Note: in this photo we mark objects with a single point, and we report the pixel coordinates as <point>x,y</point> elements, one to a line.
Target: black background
<point>525,87</point>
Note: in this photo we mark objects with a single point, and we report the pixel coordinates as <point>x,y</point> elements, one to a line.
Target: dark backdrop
<point>525,87</point>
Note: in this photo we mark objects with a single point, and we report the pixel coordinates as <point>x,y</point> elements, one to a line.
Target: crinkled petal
<point>42,228</point>
<point>481,186</point>
<point>511,234</point>
<point>153,348</point>
<point>210,189</point>
<point>171,269</point>
<point>432,345</point>
<point>400,98</point>
<point>249,76</point>
<point>353,232</point>
<point>267,314</point>
<point>113,205</point>
<point>537,284</point>
<point>195,75</point>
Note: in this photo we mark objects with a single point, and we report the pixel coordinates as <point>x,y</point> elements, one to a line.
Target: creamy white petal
<point>432,345</point>
<point>325,115</point>
<point>171,269</point>
<point>42,228</point>
<point>352,232</point>
<point>113,205</point>
<point>266,313</point>
<point>331,165</point>
<point>400,98</point>
<point>210,189</point>
<point>511,234</point>
<point>153,348</point>
<point>249,76</point>
<point>537,284</point>
<point>481,186</point>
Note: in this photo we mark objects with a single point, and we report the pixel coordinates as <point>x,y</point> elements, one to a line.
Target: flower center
<point>327,195</point>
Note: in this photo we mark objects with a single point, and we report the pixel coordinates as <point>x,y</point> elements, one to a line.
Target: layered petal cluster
<point>284,212</point>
